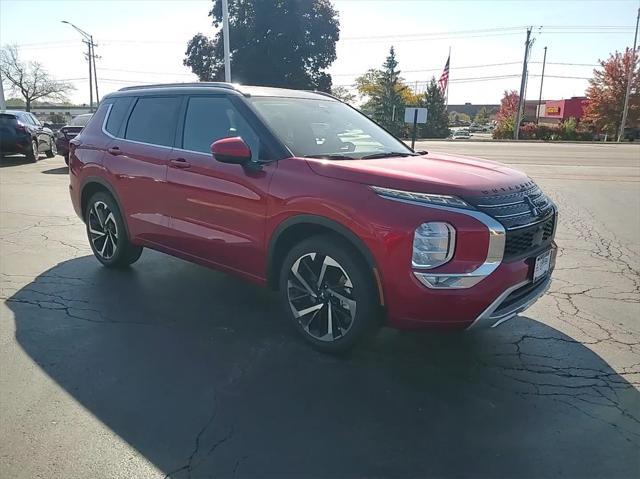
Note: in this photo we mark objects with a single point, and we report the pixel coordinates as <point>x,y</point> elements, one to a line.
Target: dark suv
<point>299,191</point>
<point>21,132</point>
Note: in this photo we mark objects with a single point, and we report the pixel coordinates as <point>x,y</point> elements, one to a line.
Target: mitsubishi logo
<point>535,211</point>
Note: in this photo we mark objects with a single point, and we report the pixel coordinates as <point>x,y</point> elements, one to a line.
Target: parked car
<point>21,132</point>
<point>351,232</point>
<point>461,134</point>
<point>70,131</point>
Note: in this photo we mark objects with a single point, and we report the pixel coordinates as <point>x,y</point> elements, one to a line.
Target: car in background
<point>22,133</point>
<point>70,131</point>
<point>461,134</point>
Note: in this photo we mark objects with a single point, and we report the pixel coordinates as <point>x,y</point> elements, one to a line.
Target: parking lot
<point>173,370</point>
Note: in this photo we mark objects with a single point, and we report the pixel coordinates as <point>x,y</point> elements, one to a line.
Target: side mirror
<point>231,150</point>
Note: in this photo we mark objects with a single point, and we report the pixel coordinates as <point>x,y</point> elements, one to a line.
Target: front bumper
<point>512,302</point>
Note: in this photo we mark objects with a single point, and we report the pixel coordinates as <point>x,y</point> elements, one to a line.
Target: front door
<point>218,211</point>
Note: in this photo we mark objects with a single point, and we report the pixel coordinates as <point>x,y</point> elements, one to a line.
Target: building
<point>44,111</point>
<point>472,110</point>
<point>553,112</point>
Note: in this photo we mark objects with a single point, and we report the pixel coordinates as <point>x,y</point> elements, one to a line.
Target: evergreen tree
<point>385,91</point>
<point>437,125</point>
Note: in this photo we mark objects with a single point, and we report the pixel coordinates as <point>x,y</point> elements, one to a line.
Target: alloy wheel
<point>103,230</point>
<point>321,296</point>
<point>34,147</point>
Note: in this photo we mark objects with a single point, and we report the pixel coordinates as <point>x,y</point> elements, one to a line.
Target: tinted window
<point>24,118</point>
<point>211,118</point>
<point>117,114</point>
<point>153,120</point>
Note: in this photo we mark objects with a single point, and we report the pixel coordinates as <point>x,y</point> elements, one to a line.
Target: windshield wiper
<point>330,157</point>
<point>387,154</point>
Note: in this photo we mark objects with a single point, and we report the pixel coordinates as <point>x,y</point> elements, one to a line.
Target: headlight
<point>440,200</point>
<point>433,244</point>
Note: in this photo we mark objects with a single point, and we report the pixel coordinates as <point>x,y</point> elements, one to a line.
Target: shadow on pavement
<point>198,372</point>
<point>13,160</point>
<point>63,170</point>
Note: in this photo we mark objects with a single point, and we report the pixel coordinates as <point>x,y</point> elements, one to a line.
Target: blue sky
<point>144,41</point>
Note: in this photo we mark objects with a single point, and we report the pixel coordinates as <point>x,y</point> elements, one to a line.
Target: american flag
<point>444,78</point>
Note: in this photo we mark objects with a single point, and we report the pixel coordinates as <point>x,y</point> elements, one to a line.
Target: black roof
<point>218,87</point>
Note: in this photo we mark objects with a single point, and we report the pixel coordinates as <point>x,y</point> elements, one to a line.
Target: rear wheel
<point>107,234</point>
<point>328,293</point>
<point>32,155</point>
<point>52,151</point>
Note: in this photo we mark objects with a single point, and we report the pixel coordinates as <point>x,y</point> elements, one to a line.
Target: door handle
<point>115,151</point>
<point>179,163</point>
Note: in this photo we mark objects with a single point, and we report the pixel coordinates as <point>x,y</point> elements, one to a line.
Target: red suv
<point>299,191</point>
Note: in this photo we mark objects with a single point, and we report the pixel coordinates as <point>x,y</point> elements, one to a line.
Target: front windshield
<point>325,128</point>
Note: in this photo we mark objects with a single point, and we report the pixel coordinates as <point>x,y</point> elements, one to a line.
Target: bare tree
<point>30,79</point>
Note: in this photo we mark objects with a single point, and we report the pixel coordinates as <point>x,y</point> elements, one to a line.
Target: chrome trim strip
<point>495,252</point>
<point>532,224</point>
<point>488,319</point>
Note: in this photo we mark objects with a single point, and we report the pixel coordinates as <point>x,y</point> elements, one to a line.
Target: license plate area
<point>542,265</point>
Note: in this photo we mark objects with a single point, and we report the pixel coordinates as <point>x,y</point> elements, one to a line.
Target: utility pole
<point>90,77</point>
<point>225,37</point>
<point>88,39</point>
<point>625,110</point>
<point>3,105</point>
<point>544,62</point>
<point>95,72</point>
<point>521,102</point>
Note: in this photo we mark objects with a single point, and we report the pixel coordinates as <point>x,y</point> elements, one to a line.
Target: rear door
<point>137,158</point>
<point>218,210</point>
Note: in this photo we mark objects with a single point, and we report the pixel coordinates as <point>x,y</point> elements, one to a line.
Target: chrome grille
<point>528,216</point>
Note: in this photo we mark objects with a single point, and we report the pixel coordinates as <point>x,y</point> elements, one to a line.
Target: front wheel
<point>107,234</point>
<point>328,293</point>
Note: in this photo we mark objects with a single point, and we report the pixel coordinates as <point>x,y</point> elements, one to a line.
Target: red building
<point>557,111</point>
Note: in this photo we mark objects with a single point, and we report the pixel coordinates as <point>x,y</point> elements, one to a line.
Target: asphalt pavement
<point>173,370</point>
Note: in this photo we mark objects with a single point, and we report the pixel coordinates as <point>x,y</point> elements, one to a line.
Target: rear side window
<point>153,120</point>
<point>117,114</point>
<point>6,119</point>
<point>211,118</point>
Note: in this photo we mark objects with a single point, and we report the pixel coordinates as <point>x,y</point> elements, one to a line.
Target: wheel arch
<point>94,184</point>
<point>300,227</point>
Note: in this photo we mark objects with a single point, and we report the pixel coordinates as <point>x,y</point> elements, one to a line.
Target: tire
<point>337,313</point>
<point>52,151</point>
<point>32,155</point>
<point>107,233</point>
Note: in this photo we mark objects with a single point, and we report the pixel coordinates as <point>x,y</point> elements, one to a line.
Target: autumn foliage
<point>607,90</point>
<point>506,117</point>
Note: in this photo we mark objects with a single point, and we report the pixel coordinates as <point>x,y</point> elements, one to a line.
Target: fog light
<point>433,244</point>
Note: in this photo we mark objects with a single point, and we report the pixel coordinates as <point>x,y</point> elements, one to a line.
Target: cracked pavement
<point>171,370</point>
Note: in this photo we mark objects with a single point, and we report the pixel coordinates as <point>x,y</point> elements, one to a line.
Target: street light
<point>88,39</point>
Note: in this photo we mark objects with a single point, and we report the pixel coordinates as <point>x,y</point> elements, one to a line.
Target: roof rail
<point>323,93</point>
<point>228,86</point>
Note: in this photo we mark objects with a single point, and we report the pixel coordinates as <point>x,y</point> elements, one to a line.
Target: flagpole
<point>446,97</point>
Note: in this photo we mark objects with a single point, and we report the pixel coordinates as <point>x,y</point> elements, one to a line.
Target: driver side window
<point>209,119</point>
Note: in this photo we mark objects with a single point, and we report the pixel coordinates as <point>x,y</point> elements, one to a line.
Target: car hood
<point>436,173</point>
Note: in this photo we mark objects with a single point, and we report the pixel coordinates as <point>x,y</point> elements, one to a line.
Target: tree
<point>482,117</point>
<point>607,90</point>
<point>459,118</point>
<point>287,43</point>
<point>385,92</point>
<point>29,79</point>
<point>506,116</point>
<point>437,125</point>
<point>344,94</point>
